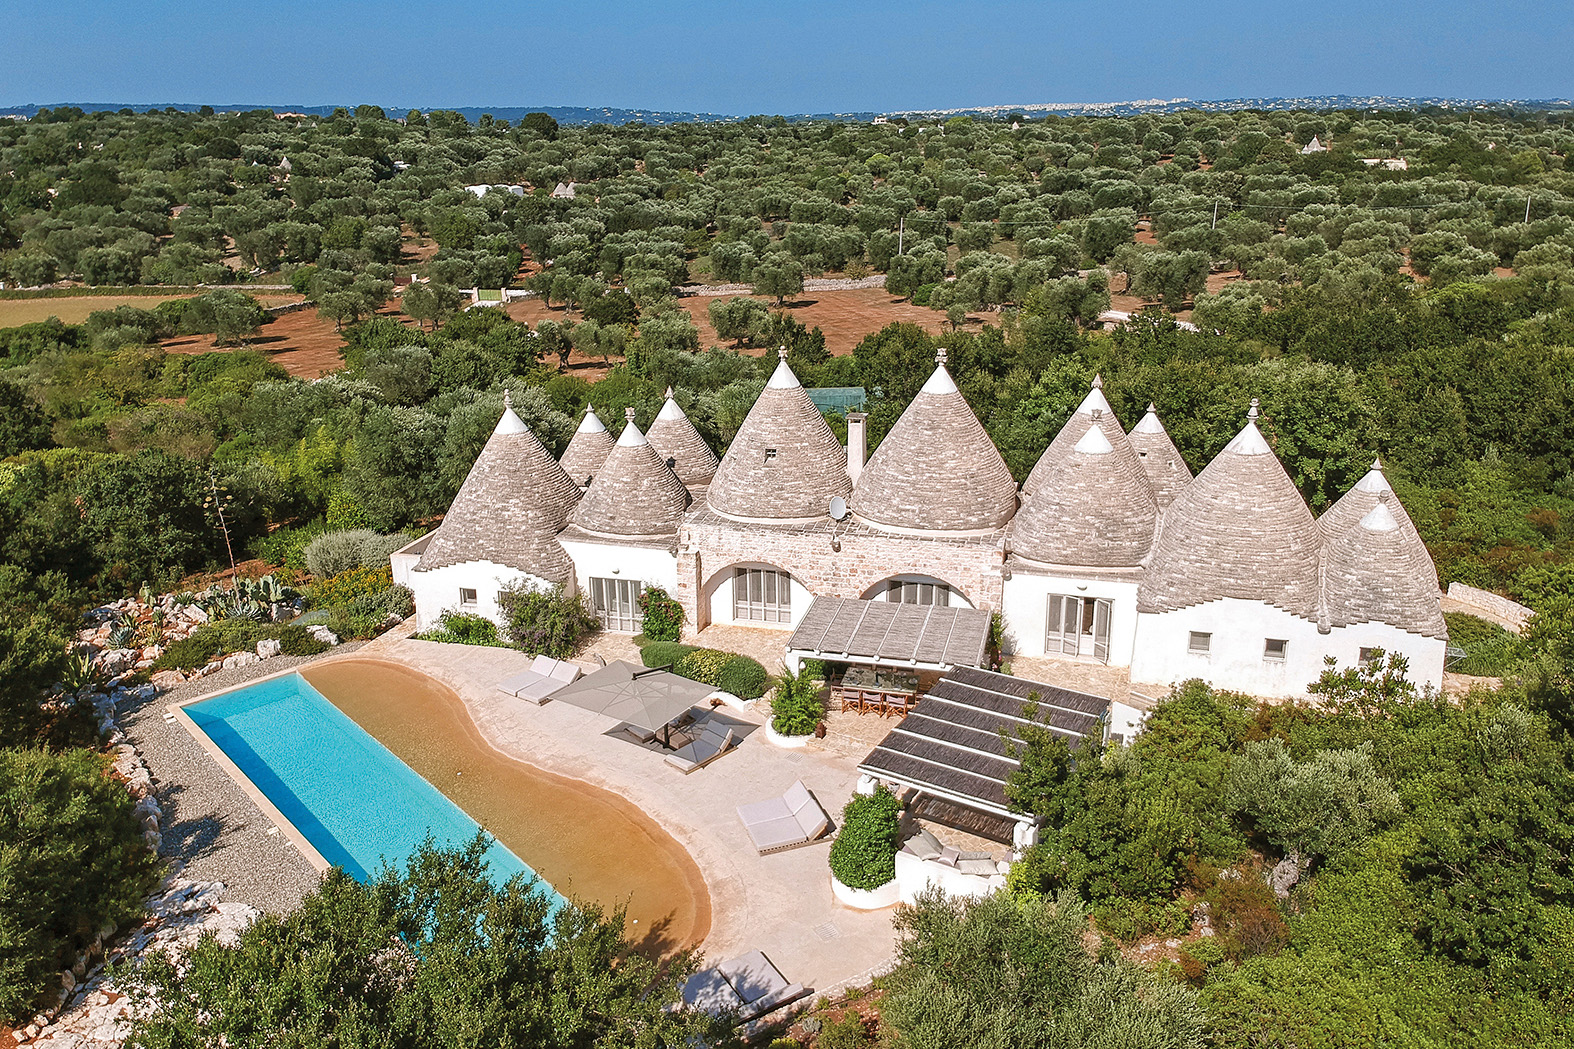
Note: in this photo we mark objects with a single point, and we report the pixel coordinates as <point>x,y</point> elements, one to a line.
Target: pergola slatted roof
<point>950,744</point>
<point>892,633</point>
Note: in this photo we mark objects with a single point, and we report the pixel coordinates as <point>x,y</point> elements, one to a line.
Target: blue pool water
<point>346,793</point>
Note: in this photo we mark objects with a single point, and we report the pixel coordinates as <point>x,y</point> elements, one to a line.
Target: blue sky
<point>747,57</point>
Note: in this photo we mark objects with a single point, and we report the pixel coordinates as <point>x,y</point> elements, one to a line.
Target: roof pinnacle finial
<point>508,399</point>
<point>1251,413</point>
<point>940,356</point>
<point>1098,381</point>
<point>668,394</point>
<point>1377,463</point>
<point>1153,408</point>
<point>628,413</point>
<point>781,354</point>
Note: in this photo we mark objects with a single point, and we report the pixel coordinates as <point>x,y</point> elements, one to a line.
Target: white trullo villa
<point>1110,551</point>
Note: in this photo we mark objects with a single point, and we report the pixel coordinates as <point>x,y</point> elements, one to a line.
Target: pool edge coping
<point>258,798</point>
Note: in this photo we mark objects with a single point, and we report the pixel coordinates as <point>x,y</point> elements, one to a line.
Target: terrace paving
<point>781,904</point>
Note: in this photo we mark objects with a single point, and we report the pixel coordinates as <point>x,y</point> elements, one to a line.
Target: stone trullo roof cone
<point>1360,500</point>
<point>680,444</point>
<point>1161,461</point>
<point>510,508</point>
<point>1373,575</point>
<point>1094,509</point>
<point>1094,407</point>
<point>1241,530</point>
<point>937,470</point>
<point>635,493</point>
<point>784,463</point>
<point>587,449</point>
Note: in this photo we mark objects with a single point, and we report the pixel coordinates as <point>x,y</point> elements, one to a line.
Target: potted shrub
<point>863,856</point>
<point>795,712</point>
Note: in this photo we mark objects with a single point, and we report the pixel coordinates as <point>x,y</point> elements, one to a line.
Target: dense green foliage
<point>863,856</point>
<point>434,954</point>
<point>463,628</point>
<point>797,707</point>
<point>1433,840</point>
<point>1003,973</point>
<point>546,622</point>
<point>212,640</point>
<point>724,671</point>
<point>661,615</point>
<point>72,861</point>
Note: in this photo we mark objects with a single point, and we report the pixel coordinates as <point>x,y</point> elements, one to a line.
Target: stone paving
<point>781,904</point>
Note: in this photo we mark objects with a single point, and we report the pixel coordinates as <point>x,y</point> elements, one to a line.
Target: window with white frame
<point>616,602</point>
<point>1274,649</point>
<point>761,595</point>
<point>910,592</point>
<point>1200,643</point>
<point>1367,658</point>
<point>467,596</point>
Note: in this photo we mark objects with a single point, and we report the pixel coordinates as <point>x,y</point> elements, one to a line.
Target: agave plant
<point>123,633</point>
<point>79,672</point>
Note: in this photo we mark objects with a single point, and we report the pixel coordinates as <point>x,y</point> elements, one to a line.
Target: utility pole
<point>1215,214</point>
<point>901,230</point>
<point>1527,207</point>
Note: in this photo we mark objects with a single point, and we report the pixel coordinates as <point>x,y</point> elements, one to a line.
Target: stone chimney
<point>857,443</point>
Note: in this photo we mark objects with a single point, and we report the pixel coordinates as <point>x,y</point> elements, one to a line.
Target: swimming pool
<point>355,802</point>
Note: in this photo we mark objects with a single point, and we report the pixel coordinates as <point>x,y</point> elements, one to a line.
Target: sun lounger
<point>746,988</point>
<point>709,745</point>
<point>787,822</point>
<point>545,676</point>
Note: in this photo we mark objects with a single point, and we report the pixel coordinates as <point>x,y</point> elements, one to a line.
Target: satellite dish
<point>838,508</point>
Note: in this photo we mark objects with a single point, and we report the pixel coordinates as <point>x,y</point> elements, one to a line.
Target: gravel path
<point>210,824</point>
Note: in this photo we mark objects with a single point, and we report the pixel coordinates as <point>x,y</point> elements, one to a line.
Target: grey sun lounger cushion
<point>545,676</point>
<point>746,987</point>
<point>775,824</point>
<point>711,744</point>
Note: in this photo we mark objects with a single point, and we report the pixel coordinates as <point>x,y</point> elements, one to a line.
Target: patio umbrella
<point>648,699</point>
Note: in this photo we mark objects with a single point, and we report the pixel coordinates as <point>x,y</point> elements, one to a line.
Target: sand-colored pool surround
<point>781,904</point>
<point>577,837</point>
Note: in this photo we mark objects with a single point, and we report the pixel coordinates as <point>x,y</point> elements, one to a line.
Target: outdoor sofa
<point>746,987</point>
<point>787,822</point>
<point>713,741</point>
<point>545,676</point>
<point>923,861</point>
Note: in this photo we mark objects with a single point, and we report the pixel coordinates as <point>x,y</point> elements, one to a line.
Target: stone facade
<point>709,545</point>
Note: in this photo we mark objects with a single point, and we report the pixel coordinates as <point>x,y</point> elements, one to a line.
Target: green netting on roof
<point>837,398</point>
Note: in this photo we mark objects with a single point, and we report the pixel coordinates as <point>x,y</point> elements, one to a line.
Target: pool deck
<point>780,904</point>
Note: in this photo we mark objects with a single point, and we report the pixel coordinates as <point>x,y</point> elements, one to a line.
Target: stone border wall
<point>1513,614</point>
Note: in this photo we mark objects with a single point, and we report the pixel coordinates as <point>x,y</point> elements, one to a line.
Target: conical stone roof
<point>1094,509</point>
<point>635,493</point>
<point>784,463</point>
<point>1360,500</point>
<point>937,470</point>
<point>587,449</point>
<point>680,444</point>
<point>1094,407</point>
<point>1167,472</point>
<point>1373,575</point>
<point>1241,530</point>
<point>510,508</point>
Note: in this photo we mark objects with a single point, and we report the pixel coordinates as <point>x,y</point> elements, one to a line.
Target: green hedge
<point>863,856</point>
<point>727,671</point>
<point>663,653</point>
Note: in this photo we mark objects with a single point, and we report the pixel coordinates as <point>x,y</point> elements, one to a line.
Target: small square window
<point>1199,644</point>
<point>1368,657</point>
<point>770,455</point>
<point>1142,455</point>
<point>1273,649</point>
<point>467,596</point>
